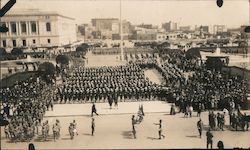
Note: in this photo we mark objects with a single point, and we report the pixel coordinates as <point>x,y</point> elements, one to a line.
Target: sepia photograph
<point>124,74</point>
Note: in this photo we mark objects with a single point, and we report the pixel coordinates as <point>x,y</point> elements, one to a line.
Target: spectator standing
<point>209,139</point>
<point>200,127</point>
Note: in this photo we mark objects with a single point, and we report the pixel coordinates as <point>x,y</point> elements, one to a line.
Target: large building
<point>108,24</point>
<point>170,26</point>
<point>34,28</point>
<point>109,28</point>
<point>144,34</point>
<point>219,29</point>
<point>185,28</point>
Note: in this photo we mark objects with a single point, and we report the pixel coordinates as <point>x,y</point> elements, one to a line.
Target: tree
<point>243,44</point>
<point>62,59</point>
<point>3,53</point>
<point>82,48</point>
<point>79,49</point>
<point>47,70</point>
<point>154,45</point>
<point>193,53</point>
<point>214,63</point>
<point>17,51</point>
<point>164,45</point>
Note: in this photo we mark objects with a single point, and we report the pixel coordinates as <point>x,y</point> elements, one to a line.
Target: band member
<point>74,125</point>
<point>133,126</point>
<point>71,131</point>
<point>160,129</point>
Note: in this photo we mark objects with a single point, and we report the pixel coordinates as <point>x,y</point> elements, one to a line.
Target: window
<point>48,40</point>
<point>34,41</point>
<point>24,42</point>
<point>23,27</point>
<point>13,27</point>
<point>48,27</point>
<point>14,43</point>
<point>4,43</point>
<point>2,24</point>
<point>33,27</point>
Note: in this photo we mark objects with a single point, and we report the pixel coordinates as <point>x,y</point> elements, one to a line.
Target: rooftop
<point>34,12</point>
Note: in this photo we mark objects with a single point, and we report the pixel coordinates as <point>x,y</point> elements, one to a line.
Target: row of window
<point>13,27</point>
<point>162,37</point>
<point>23,42</point>
<point>170,36</point>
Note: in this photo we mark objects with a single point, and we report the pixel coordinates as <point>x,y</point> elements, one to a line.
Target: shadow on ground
<point>66,138</point>
<point>153,138</point>
<point>127,135</point>
<point>88,134</point>
<point>193,136</point>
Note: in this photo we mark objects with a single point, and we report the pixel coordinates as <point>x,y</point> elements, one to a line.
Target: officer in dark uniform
<point>200,127</point>
<point>93,110</point>
<point>209,139</point>
<point>93,126</point>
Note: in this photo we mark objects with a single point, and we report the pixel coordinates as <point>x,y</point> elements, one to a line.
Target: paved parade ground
<point>113,131</point>
<point>66,110</point>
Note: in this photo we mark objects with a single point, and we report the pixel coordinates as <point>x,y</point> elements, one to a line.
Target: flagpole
<point>121,32</point>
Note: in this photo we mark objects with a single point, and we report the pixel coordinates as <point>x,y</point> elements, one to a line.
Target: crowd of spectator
<point>191,83</point>
<point>23,106</point>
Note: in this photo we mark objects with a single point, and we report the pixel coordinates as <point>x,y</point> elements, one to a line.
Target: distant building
<point>170,26</point>
<point>204,29</point>
<point>144,34</point>
<point>161,37</point>
<point>101,24</point>
<point>109,28</point>
<point>185,28</point>
<point>126,27</point>
<point>171,36</point>
<point>37,29</point>
<point>219,29</point>
<point>147,26</point>
<point>245,36</point>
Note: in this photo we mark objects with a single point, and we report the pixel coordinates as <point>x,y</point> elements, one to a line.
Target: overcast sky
<point>186,12</point>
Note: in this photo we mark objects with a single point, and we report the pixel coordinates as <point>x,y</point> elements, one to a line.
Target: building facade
<point>104,23</point>
<point>33,28</point>
<point>170,26</point>
<point>219,29</point>
<point>185,28</point>
<point>161,37</point>
<point>109,28</point>
<point>144,34</point>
